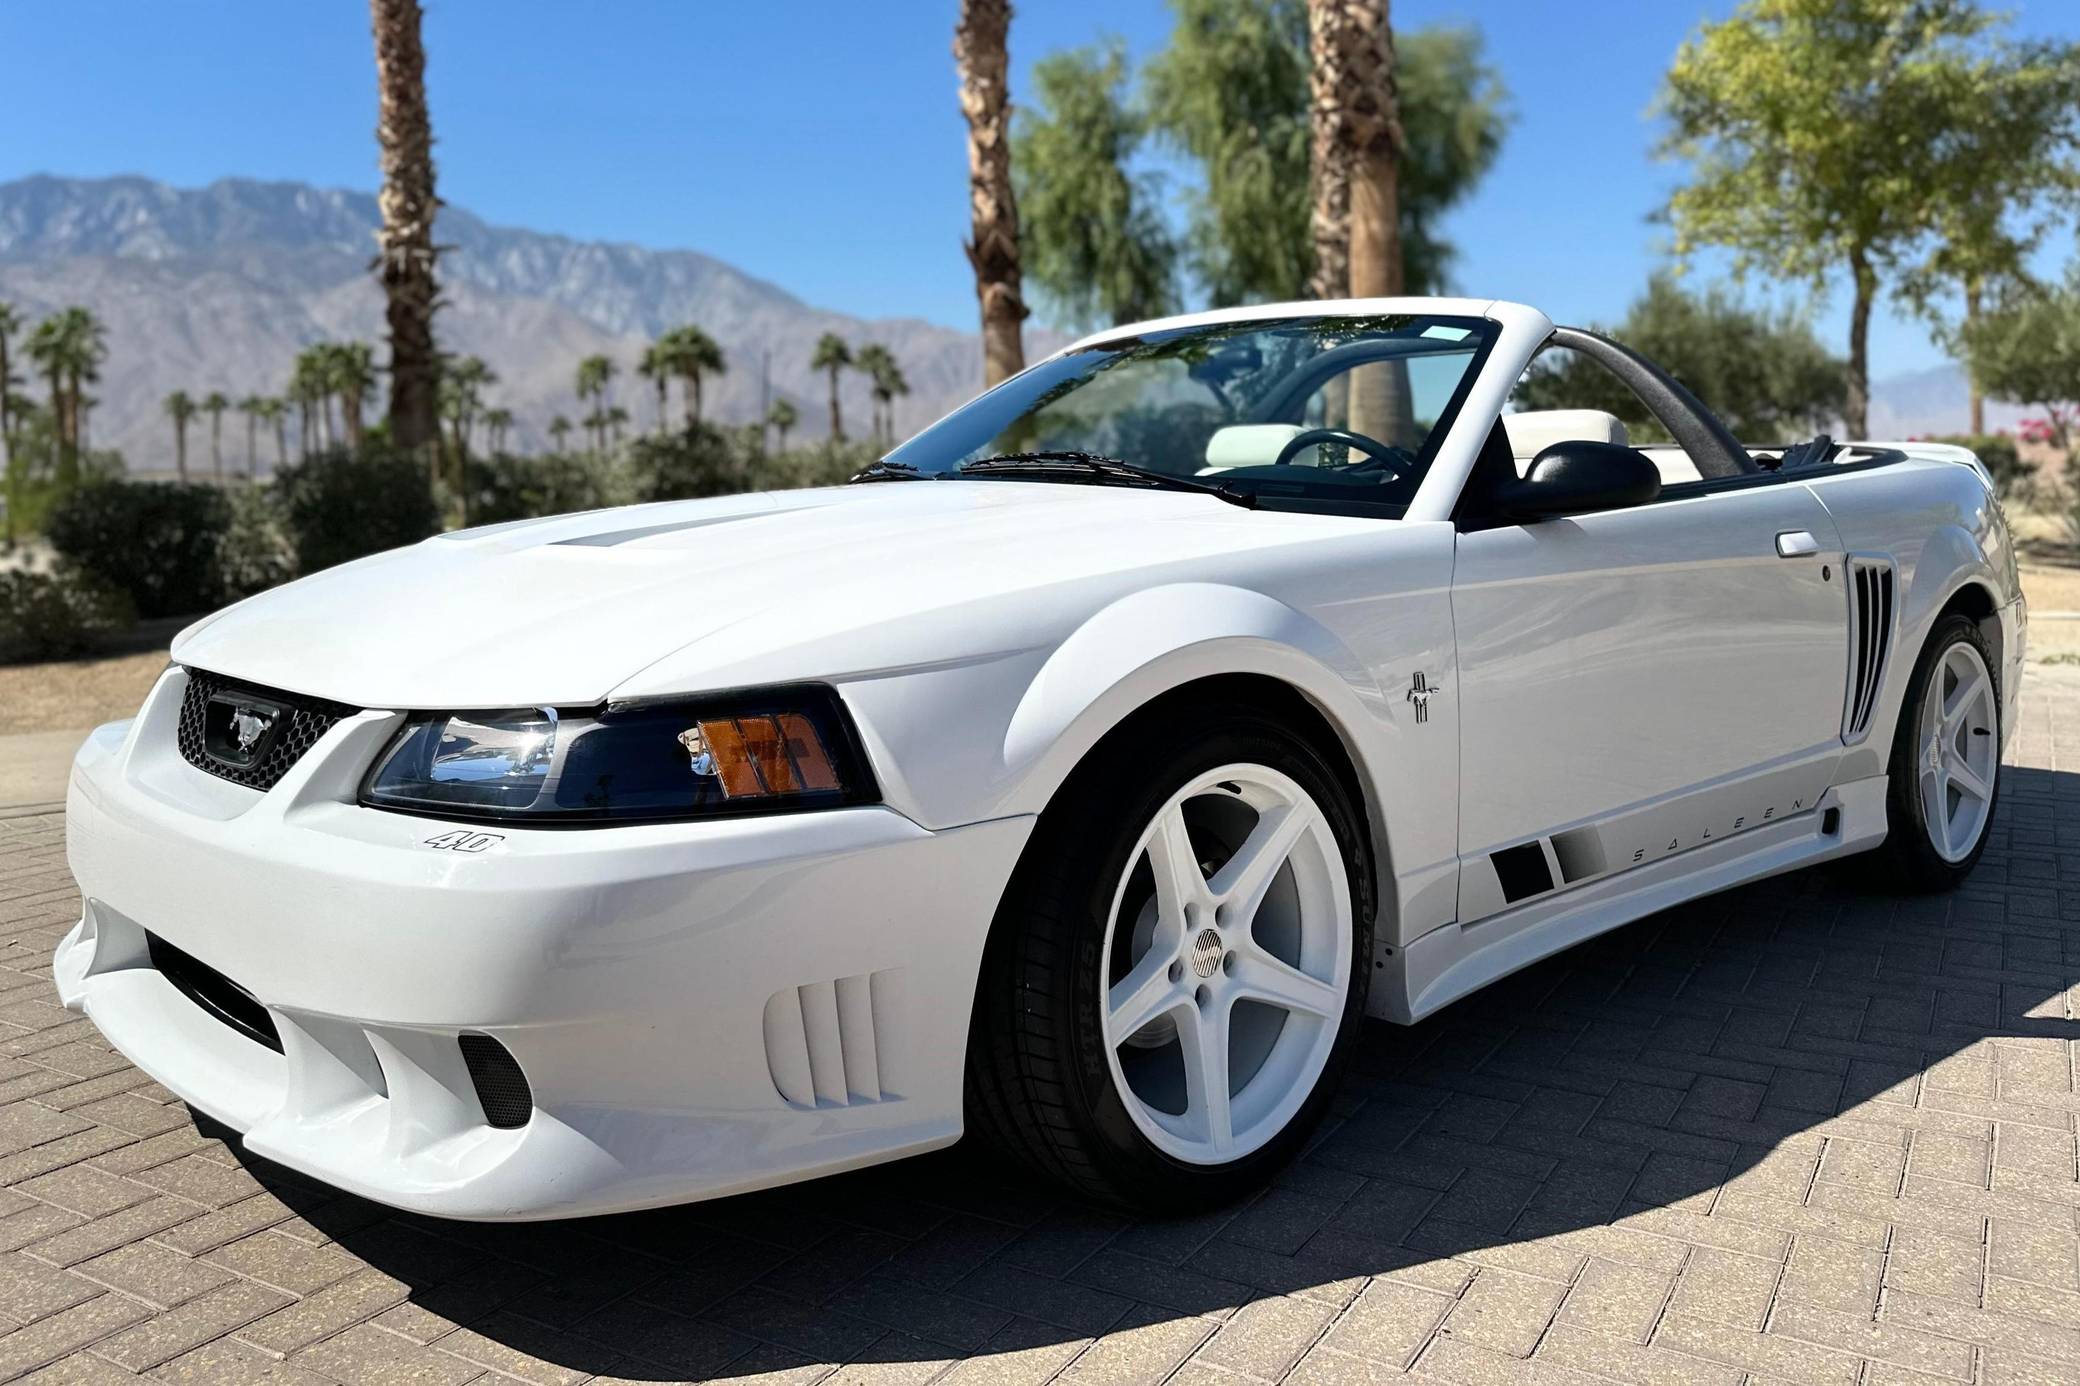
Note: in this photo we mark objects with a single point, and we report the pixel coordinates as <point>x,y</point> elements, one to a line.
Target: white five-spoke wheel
<point>1959,754</point>
<point>1227,964</point>
<point>1180,963</point>
<point>1944,775</point>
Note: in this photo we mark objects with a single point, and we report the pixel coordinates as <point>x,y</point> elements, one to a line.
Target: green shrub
<point>825,464</point>
<point>256,553</point>
<point>694,462</point>
<point>339,505</point>
<point>2013,477</point>
<point>158,543</point>
<point>506,487</point>
<point>58,614</point>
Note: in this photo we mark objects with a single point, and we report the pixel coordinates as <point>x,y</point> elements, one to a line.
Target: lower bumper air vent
<point>824,1041</point>
<point>214,992</point>
<point>502,1089</point>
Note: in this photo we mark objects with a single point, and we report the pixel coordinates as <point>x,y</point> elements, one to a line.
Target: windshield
<point>1337,414</point>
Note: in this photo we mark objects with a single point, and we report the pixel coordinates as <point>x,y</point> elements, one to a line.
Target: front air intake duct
<point>502,1089</point>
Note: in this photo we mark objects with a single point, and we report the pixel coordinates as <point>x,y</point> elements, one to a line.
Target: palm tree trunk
<point>252,443</point>
<point>281,440</point>
<point>980,52</point>
<point>837,419</point>
<point>408,203</point>
<point>350,404</point>
<point>1359,50</point>
<point>1856,408</point>
<point>664,400</point>
<point>180,448</point>
<point>1329,150</point>
<point>216,446</point>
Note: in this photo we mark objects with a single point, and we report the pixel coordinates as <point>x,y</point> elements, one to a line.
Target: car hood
<point>818,584</point>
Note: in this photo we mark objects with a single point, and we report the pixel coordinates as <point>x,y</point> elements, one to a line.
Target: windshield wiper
<point>886,470</point>
<point>1099,469</point>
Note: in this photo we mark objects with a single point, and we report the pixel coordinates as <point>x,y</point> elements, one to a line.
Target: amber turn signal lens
<point>756,757</point>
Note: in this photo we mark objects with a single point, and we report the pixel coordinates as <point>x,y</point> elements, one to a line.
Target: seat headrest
<point>1248,445</point>
<point>1532,433</point>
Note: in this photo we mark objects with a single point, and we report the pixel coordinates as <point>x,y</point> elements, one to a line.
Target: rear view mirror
<point>1576,477</point>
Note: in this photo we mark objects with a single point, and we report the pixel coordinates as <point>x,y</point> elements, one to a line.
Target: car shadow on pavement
<point>1808,1054</point>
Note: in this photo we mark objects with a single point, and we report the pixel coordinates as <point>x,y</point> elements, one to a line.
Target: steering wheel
<point>1383,455</point>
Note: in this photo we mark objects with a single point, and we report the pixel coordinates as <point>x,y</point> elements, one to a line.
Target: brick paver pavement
<point>1802,1132</point>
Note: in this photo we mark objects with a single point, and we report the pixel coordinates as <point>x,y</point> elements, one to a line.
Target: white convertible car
<point>1084,779</point>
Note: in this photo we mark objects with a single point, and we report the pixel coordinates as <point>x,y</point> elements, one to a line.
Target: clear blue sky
<point>814,143</point>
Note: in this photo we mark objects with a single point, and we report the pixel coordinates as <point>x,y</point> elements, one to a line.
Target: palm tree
<point>656,366</point>
<point>351,372</point>
<point>275,412</point>
<point>782,416</point>
<point>496,422</point>
<point>885,381</point>
<point>616,420</point>
<point>979,51</point>
<point>180,409</point>
<point>832,355</point>
<point>214,404</point>
<point>46,349</point>
<point>406,256</point>
<point>560,432</point>
<point>871,361</point>
<point>10,323</point>
<point>462,395</point>
<point>68,348</point>
<point>310,388</point>
<point>694,354</point>
<point>1356,134</point>
<point>594,375</point>
<point>891,386</point>
<point>254,408</point>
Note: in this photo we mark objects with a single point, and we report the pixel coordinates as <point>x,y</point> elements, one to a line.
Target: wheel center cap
<point>1206,952</point>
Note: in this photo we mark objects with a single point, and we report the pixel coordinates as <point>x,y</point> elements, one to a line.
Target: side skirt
<point>1446,964</point>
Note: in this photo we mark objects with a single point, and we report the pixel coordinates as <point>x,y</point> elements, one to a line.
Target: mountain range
<point>218,288</point>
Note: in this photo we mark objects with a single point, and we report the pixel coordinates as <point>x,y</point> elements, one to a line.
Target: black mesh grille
<point>501,1087</point>
<point>309,719</point>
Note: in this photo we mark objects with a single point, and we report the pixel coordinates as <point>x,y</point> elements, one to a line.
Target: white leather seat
<point>1534,431</point>
<point>1531,433</point>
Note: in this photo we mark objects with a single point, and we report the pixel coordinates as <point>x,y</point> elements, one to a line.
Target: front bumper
<point>699,1008</point>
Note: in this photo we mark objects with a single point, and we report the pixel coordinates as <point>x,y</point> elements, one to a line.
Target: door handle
<point>1797,543</point>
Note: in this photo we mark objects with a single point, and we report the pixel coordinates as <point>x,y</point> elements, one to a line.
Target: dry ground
<point>73,695</point>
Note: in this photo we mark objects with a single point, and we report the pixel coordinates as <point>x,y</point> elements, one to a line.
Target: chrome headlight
<point>759,753</point>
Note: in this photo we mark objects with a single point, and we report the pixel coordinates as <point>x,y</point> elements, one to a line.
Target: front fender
<point>1150,642</point>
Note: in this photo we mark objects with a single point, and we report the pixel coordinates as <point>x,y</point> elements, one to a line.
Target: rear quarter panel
<point>1943,530</point>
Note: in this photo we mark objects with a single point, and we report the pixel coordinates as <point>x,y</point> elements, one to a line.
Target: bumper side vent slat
<point>502,1088</point>
<point>1870,584</point>
<point>214,992</point>
<point>823,1043</point>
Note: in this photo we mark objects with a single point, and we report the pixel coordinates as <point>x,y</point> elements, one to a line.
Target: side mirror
<point>1575,477</point>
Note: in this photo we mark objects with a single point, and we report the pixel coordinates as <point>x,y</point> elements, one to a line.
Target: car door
<point>1637,683</point>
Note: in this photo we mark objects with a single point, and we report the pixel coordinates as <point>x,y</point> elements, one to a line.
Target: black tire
<point>1039,1086</point>
<point>1909,856</point>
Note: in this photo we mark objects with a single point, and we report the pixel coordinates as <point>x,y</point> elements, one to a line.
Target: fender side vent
<point>1870,641</point>
<point>826,1041</point>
